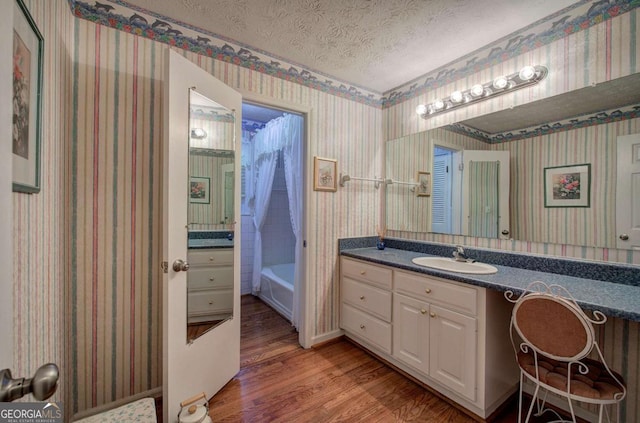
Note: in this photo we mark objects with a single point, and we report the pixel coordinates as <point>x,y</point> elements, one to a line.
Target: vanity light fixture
<point>527,76</point>
<point>198,133</point>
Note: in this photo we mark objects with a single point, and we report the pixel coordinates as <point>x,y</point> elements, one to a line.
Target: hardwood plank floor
<point>279,381</point>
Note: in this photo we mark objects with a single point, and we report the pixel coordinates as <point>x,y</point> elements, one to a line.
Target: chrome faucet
<point>459,255</point>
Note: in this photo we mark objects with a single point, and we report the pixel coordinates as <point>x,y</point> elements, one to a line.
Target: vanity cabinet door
<point>411,332</point>
<point>453,350</point>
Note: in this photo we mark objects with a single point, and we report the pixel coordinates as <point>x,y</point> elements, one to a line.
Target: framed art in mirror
<point>567,186</point>
<point>27,100</point>
<point>423,180</point>
<point>325,174</point>
<point>199,190</point>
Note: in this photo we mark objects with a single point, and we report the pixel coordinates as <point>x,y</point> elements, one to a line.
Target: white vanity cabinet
<point>449,335</point>
<point>366,302</point>
<point>210,284</point>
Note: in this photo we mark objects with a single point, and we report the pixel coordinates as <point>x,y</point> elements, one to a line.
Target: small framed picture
<point>567,186</point>
<point>325,174</point>
<point>27,100</point>
<point>423,187</point>
<point>200,190</point>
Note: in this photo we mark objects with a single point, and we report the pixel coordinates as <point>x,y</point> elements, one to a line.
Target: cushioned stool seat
<point>596,384</point>
<point>141,411</point>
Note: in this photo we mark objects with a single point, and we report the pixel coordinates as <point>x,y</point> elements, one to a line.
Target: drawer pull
<point>362,327</point>
<point>211,278</point>
<point>423,311</point>
<point>212,258</point>
<point>428,290</point>
<point>362,297</point>
<point>210,302</point>
<point>362,272</point>
<point>432,314</point>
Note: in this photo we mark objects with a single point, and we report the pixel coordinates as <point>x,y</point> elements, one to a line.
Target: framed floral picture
<point>567,186</point>
<point>325,174</point>
<point>200,190</point>
<point>423,187</point>
<point>27,100</point>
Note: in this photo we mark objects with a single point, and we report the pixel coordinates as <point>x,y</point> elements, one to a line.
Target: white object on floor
<point>141,411</point>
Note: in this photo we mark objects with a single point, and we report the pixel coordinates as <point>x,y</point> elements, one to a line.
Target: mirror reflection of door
<point>211,216</point>
<point>485,194</point>
<point>441,191</point>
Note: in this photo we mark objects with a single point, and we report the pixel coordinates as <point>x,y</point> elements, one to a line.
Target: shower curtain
<point>283,133</point>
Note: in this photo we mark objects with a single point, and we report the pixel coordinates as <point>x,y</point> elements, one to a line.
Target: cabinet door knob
<point>362,297</point>
<point>423,311</point>
<point>362,272</point>
<point>432,314</point>
<point>362,327</point>
<point>624,237</point>
<point>428,290</point>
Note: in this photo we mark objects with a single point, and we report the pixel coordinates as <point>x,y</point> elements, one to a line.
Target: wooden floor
<point>337,382</point>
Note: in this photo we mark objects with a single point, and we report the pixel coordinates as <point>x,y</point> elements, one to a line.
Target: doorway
<point>273,169</point>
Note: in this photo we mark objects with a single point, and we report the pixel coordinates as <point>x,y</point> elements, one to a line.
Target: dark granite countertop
<point>210,239</point>
<point>616,299</point>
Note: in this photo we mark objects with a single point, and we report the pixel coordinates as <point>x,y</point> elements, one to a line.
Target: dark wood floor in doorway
<point>337,382</point>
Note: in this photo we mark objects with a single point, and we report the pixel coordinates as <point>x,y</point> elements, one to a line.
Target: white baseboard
<point>319,339</point>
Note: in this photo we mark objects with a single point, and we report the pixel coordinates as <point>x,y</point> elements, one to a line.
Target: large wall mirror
<point>211,215</point>
<point>577,128</point>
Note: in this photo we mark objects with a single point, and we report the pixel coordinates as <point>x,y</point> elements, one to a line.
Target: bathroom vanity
<point>451,336</point>
<point>210,287</point>
<point>450,330</point>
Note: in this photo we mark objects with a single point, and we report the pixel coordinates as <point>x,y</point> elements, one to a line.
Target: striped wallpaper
<point>208,216</point>
<point>39,234</point>
<point>87,247</point>
<point>115,235</point>
<point>404,157</point>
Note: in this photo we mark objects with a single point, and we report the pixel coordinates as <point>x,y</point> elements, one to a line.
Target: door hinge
<point>165,266</point>
<point>304,243</point>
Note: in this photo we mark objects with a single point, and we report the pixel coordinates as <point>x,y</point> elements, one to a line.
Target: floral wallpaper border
<point>580,16</point>
<point>583,121</point>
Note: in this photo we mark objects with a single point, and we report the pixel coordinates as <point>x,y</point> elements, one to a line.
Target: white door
<point>628,192</point>
<point>502,230</point>
<point>441,194</point>
<point>6,201</point>
<point>208,363</point>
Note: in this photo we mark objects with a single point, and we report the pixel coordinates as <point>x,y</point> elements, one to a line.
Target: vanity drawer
<point>367,327</point>
<point>212,256</point>
<point>206,302</point>
<point>368,298</point>
<point>210,277</point>
<point>366,272</point>
<point>451,294</point>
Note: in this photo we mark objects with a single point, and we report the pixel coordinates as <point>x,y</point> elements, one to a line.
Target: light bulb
<point>500,83</point>
<point>456,96</point>
<point>477,90</point>
<point>421,109</point>
<point>438,104</point>
<point>527,72</point>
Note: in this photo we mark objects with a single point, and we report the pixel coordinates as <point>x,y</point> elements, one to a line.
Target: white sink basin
<point>451,265</point>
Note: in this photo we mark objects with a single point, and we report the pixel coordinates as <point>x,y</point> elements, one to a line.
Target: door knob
<point>180,265</point>
<point>624,237</point>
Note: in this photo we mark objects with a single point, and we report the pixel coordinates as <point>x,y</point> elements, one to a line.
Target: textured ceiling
<point>375,44</point>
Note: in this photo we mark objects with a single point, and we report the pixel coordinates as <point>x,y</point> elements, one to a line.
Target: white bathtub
<point>276,288</point>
